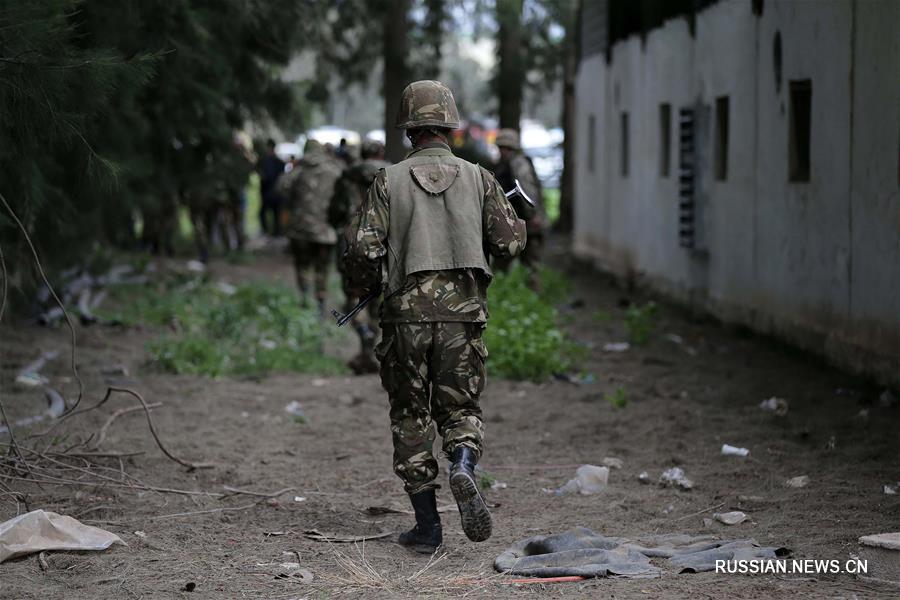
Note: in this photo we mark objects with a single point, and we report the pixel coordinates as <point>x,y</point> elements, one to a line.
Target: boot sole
<point>476,519</point>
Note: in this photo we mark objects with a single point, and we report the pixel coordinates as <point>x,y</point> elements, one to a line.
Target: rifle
<point>343,319</point>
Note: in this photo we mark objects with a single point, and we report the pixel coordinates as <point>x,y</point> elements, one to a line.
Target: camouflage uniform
<point>308,189</point>
<point>519,166</point>
<point>432,355</point>
<point>349,193</point>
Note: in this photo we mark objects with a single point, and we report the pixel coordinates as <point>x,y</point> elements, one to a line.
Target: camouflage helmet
<point>427,103</point>
<point>508,138</point>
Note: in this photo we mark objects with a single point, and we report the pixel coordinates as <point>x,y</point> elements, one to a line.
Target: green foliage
<point>523,337</point>
<point>551,204</point>
<point>640,321</point>
<point>257,329</point>
<point>618,398</point>
<point>485,479</point>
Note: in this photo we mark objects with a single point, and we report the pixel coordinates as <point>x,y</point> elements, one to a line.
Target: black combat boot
<point>476,520</point>
<point>427,535</point>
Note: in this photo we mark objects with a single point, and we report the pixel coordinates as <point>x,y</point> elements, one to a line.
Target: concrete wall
<point>817,262</point>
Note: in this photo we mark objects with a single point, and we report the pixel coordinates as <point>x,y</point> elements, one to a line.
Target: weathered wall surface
<point>816,262</point>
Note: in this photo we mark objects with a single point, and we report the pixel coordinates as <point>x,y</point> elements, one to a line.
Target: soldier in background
<point>515,164</point>
<point>308,189</point>
<point>421,235</point>
<point>349,193</point>
<point>237,166</point>
<point>270,168</point>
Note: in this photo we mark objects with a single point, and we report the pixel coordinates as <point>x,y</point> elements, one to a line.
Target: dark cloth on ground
<point>580,551</point>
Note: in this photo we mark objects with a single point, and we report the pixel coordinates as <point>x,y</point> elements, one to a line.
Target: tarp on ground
<point>580,551</point>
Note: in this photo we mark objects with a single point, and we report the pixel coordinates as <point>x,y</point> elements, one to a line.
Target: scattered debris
<point>612,463</point>
<point>674,338</point>
<point>499,485</point>
<point>644,477</point>
<point>589,479</point>
<point>887,399</point>
<point>674,476</point>
<point>728,450</point>
<point>141,534</point>
<point>779,406</point>
<point>616,347</point>
<point>797,482</point>
<point>318,536</point>
<point>730,518</point>
<point>892,489</point>
<point>190,586</point>
<point>41,530</point>
<point>584,379</point>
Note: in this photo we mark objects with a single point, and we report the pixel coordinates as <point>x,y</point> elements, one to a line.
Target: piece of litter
<point>730,518</point>
<point>779,406</point>
<point>294,408</point>
<point>797,482</point>
<point>299,499</point>
<point>589,479</point>
<point>674,338</point>
<point>891,490</point>
<point>140,534</point>
<point>612,463</point>
<point>32,379</point>
<point>887,399</point>
<point>616,347</point>
<point>670,508</point>
<point>644,477</point>
<point>39,530</point>
<point>728,450</point>
<point>195,266</point>
<point>318,382</point>
<point>499,485</point>
<point>675,476</point>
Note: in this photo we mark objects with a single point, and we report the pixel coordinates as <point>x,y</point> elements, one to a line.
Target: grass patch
<point>551,204</point>
<point>523,336</point>
<point>255,329</point>
<point>618,398</point>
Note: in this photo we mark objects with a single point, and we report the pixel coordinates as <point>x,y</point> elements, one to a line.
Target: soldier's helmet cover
<point>508,138</point>
<point>427,103</point>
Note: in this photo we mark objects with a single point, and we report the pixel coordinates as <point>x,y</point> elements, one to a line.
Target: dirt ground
<point>683,402</point>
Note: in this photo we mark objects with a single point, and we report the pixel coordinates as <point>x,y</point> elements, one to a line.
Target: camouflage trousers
<point>433,374</point>
<point>311,256</point>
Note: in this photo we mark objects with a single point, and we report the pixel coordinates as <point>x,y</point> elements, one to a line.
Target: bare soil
<point>683,402</point>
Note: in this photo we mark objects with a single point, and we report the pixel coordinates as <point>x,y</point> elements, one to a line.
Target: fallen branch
<point>700,512</point>
<point>101,435</point>
<point>205,512</point>
<point>235,491</point>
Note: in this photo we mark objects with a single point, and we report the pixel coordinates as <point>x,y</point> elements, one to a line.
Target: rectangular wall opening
<point>592,142</point>
<point>665,140</point>
<point>625,146</point>
<point>799,130</point>
<point>721,145</point>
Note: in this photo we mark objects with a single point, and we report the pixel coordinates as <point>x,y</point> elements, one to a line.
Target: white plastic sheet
<point>40,530</point>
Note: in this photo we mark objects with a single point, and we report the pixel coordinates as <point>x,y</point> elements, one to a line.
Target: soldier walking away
<point>515,164</point>
<point>308,189</point>
<point>421,236</point>
<point>270,168</point>
<point>349,193</point>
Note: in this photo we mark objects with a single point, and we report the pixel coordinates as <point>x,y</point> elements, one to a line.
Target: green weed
<point>523,336</point>
<point>259,328</point>
<point>640,321</point>
<point>618,398</point>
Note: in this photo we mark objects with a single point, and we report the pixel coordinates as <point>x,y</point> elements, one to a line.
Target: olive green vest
<point>436,205</point>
